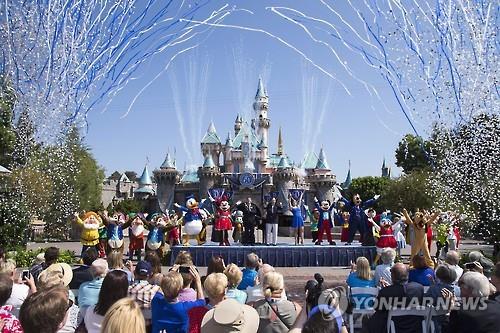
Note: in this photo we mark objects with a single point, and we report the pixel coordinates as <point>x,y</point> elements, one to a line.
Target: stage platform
<point>282,255</point>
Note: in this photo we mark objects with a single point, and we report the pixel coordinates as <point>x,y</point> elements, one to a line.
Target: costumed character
<point>398,226</point>
<point>442,228</point>
<point>313,219</point>
<point>297,219</point>
<point>156,225</point>
<point>371,235</point>
<point>114,225</point>
<point>238,226</point>
<point>90,232</point>
<point>136,235</point>
<point>343,221</point>
<point>103,240</point>
<point>193,221</point>
<point>174,229</point>
<point>357,216</point>
<point>387,238</point>
<point>429,235</point>
<point>223,220</point>
<point>251,217</point>
<point>325,221</point>
<point>420,241</point>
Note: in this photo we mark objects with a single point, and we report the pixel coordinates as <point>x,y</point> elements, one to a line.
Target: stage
<point>282,255</point>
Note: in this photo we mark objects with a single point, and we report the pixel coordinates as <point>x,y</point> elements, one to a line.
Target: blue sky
<point>219,78</point>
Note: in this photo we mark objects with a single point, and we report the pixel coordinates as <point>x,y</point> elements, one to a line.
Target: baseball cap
<point>230,316</point>
<point>143,268</point>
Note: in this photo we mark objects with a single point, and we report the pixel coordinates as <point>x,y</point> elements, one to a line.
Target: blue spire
<point>209,162</point>
<point>229,141</point>
<point>145,178</point>
<point>261,92</point>
<point>283,163</point>
<point>322,164</point>
<point>168,163</point>
<point>211,135</point>
<point>348,179</point>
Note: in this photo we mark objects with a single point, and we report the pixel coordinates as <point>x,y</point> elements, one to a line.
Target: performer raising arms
<point>251,216</point>
<point>223,219</point>
<point>420,242</point>
<point>297,219</point>
<point>357,217</point>
<point>325,221</point>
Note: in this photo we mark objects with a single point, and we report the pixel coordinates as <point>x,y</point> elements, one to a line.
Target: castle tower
<point>211,144</point>
<point>166,177</point>
<point>145,188</point>
<point>209,175</point>
<point>322,179</point>
<point>280,143</point>
<point>237,124</point>
<point>348,180</point>
<point>262,122</point>
<point>283,179</point>
<point>386,171</point>
<point>228,155</point>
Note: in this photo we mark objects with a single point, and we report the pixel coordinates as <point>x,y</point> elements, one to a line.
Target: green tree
<point>7,135</point>
<point>408,191</point>
<point>413,153</point>
<point>129,206</point>
<point>14,219</point>
<point>367,187</point>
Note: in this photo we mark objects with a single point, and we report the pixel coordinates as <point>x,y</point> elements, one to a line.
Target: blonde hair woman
<point>234,277</point>
<point>361,276</point>
<point>276,314</point>
<point>215,287</point>
<point>124,316</point>
<point>115,261</point>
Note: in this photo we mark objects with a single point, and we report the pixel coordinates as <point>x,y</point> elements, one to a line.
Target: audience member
<point>234,276</point>
<point>255,293</point>
<point>360,276</point>
<point>445,277</point>
<point>21,288</point>
<point>51,256</point>
<point>476,313</point>
<point>114,287</point>
<point>124,317</point>
<point>453,259</point>
<point>230,316</point>
<point>401,293</point>
<point>167,312</point>
<point>486,264</point>
<point>142,291</point>
<point>183,259</point>
<point>276,314</point>
<point>60,275</point>
<point>215,287</point>
<point>10,322</point>
<point>115,261</point>
<point>155,261</point>
<point>82,273</point>
<point>420,272</point>
<point>495,281</point>
<point>252,262</point>
<point>187,294</point>
<point>45,311</point>
<point>88,293</point>
<point>383,270</point>
<point>215,265</point>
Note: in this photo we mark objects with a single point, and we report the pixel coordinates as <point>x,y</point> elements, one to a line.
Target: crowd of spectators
<point>114,296</point>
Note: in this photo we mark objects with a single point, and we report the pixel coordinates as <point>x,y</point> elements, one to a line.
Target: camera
<point>313,291</point>
<point>25,275</point>
<point>184,269</point>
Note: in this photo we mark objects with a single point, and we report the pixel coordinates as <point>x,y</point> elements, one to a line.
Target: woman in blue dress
<point>297,220</point>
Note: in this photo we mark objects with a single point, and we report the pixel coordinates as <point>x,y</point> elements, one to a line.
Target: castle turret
<point>386,171</point>
<point>208,174</point>
<point>322,179</point>
<point>166,179</point>
<point>228,155</point>
<point>145,188</point>
<point>348,180</point>
<point>260,107</point>
<point>237,124</point>
<point>280,143</point>
<point>211,144</point>
<point>283,179</point>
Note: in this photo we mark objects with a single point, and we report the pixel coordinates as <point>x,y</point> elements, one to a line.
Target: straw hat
<point>230,316</point>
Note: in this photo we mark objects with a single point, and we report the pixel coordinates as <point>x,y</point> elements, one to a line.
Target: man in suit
<point>272,211</point>
<point>251,216</point>
<point>400,294</point>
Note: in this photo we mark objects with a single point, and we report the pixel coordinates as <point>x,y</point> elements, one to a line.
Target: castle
<point>248,169</point>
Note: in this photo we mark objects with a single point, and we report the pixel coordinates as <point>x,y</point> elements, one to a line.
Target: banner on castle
<point>219,194</point>
<point>270,195</point>
<point>296,194</point>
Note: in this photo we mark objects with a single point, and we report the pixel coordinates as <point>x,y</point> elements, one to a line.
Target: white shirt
<point>93,321</point>
<point>459,270</point>
<point>19,293</point>
<point>255,293</point>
